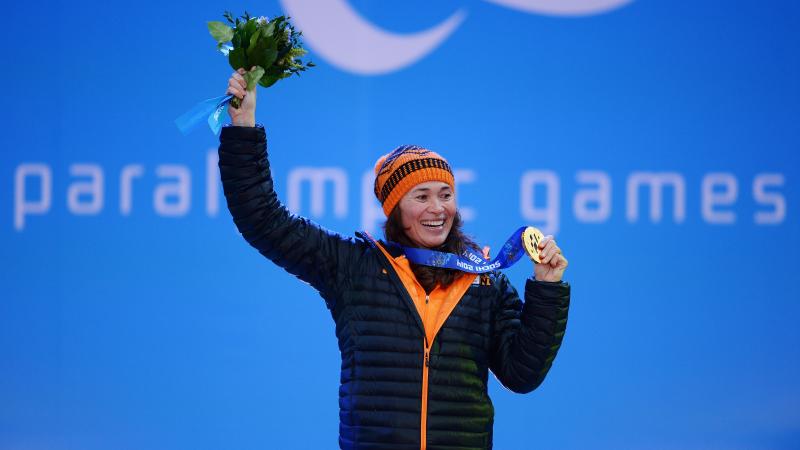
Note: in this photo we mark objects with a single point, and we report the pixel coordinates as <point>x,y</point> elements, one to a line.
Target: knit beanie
<point>400,170</point>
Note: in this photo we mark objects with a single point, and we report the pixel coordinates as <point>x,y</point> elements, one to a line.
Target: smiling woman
<point>417,342</point>
<point>421,213</point>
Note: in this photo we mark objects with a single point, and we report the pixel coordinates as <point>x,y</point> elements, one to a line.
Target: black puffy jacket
<point>386,380</point>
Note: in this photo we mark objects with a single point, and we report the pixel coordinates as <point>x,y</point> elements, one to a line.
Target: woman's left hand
<point>553,263</point>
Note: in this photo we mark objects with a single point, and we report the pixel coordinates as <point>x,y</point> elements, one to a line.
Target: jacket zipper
<point>426,362</point>
<point>423,439</point>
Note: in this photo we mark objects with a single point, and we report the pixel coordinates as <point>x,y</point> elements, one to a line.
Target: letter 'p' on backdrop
<point>657,140</point>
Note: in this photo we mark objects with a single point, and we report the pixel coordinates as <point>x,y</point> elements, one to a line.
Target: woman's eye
<point>422,198</point>
<point>447,196</point>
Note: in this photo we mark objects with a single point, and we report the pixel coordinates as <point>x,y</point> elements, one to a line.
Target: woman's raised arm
<point>303,248</point>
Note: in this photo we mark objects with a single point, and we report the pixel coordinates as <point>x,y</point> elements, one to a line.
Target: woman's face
<point>427,212</point>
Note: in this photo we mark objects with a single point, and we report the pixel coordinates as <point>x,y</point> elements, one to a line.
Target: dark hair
<point>456,242</point>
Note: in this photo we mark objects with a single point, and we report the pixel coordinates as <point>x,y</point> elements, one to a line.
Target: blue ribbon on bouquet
<point>210,109</point>
<point>469,261</point>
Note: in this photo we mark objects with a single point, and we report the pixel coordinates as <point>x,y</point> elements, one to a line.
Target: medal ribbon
<point>469,261</point>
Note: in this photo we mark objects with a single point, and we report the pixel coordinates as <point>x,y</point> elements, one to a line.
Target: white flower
<point>225,49</point>
<point>262,20</point>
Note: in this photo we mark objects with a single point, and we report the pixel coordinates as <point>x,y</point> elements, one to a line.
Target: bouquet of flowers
<point>268,50</point>
<point>270,47</point>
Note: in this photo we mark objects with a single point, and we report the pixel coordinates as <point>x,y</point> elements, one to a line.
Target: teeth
<point>433,223</point>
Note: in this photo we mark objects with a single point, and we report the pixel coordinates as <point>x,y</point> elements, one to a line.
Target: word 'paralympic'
<point>321,192</point>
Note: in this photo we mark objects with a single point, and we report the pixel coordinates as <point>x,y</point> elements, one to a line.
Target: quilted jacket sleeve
<point>526,337</point>
<point>306,250</point>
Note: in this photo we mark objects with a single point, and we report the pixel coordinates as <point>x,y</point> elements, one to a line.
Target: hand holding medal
<point>548,262</point>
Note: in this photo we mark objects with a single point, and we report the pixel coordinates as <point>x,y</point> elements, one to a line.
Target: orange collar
<point>433,308</point>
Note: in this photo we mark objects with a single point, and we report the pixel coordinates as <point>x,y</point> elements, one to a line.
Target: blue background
<point>144,331</point>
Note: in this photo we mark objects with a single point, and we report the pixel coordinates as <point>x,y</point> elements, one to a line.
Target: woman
<point>416,342</point>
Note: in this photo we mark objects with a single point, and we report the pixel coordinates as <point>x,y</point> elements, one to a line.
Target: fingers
<point>549,252</point>
<point>486,252</point>
<point>235,91</point>
<point>238,77</point>
<point>544,241</point>
<point>237,84</point>
<point>553,263</point>
<point>543,246</point>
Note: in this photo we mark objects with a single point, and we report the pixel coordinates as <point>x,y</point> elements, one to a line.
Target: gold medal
<point>530,240</point>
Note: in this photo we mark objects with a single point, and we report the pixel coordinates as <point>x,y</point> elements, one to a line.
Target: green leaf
<point>297,51</point>
<point>269,56</point>
<point>263,54</point>
<point>253,40</point>
<point>249,28</point>
<point>256,58</point>
<point>237,58</point>
<point>273,71</point>
<point>269,29</point>
<point>220,32</point>
<point>269,80</point>
<point>255,53</point>
<point>264,57</point>
<point>254,76</point>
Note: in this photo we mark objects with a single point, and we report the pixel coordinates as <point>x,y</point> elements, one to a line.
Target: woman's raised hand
<point>245,114</point>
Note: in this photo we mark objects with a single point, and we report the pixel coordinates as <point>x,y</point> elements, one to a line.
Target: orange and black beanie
<point>399,171</point>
